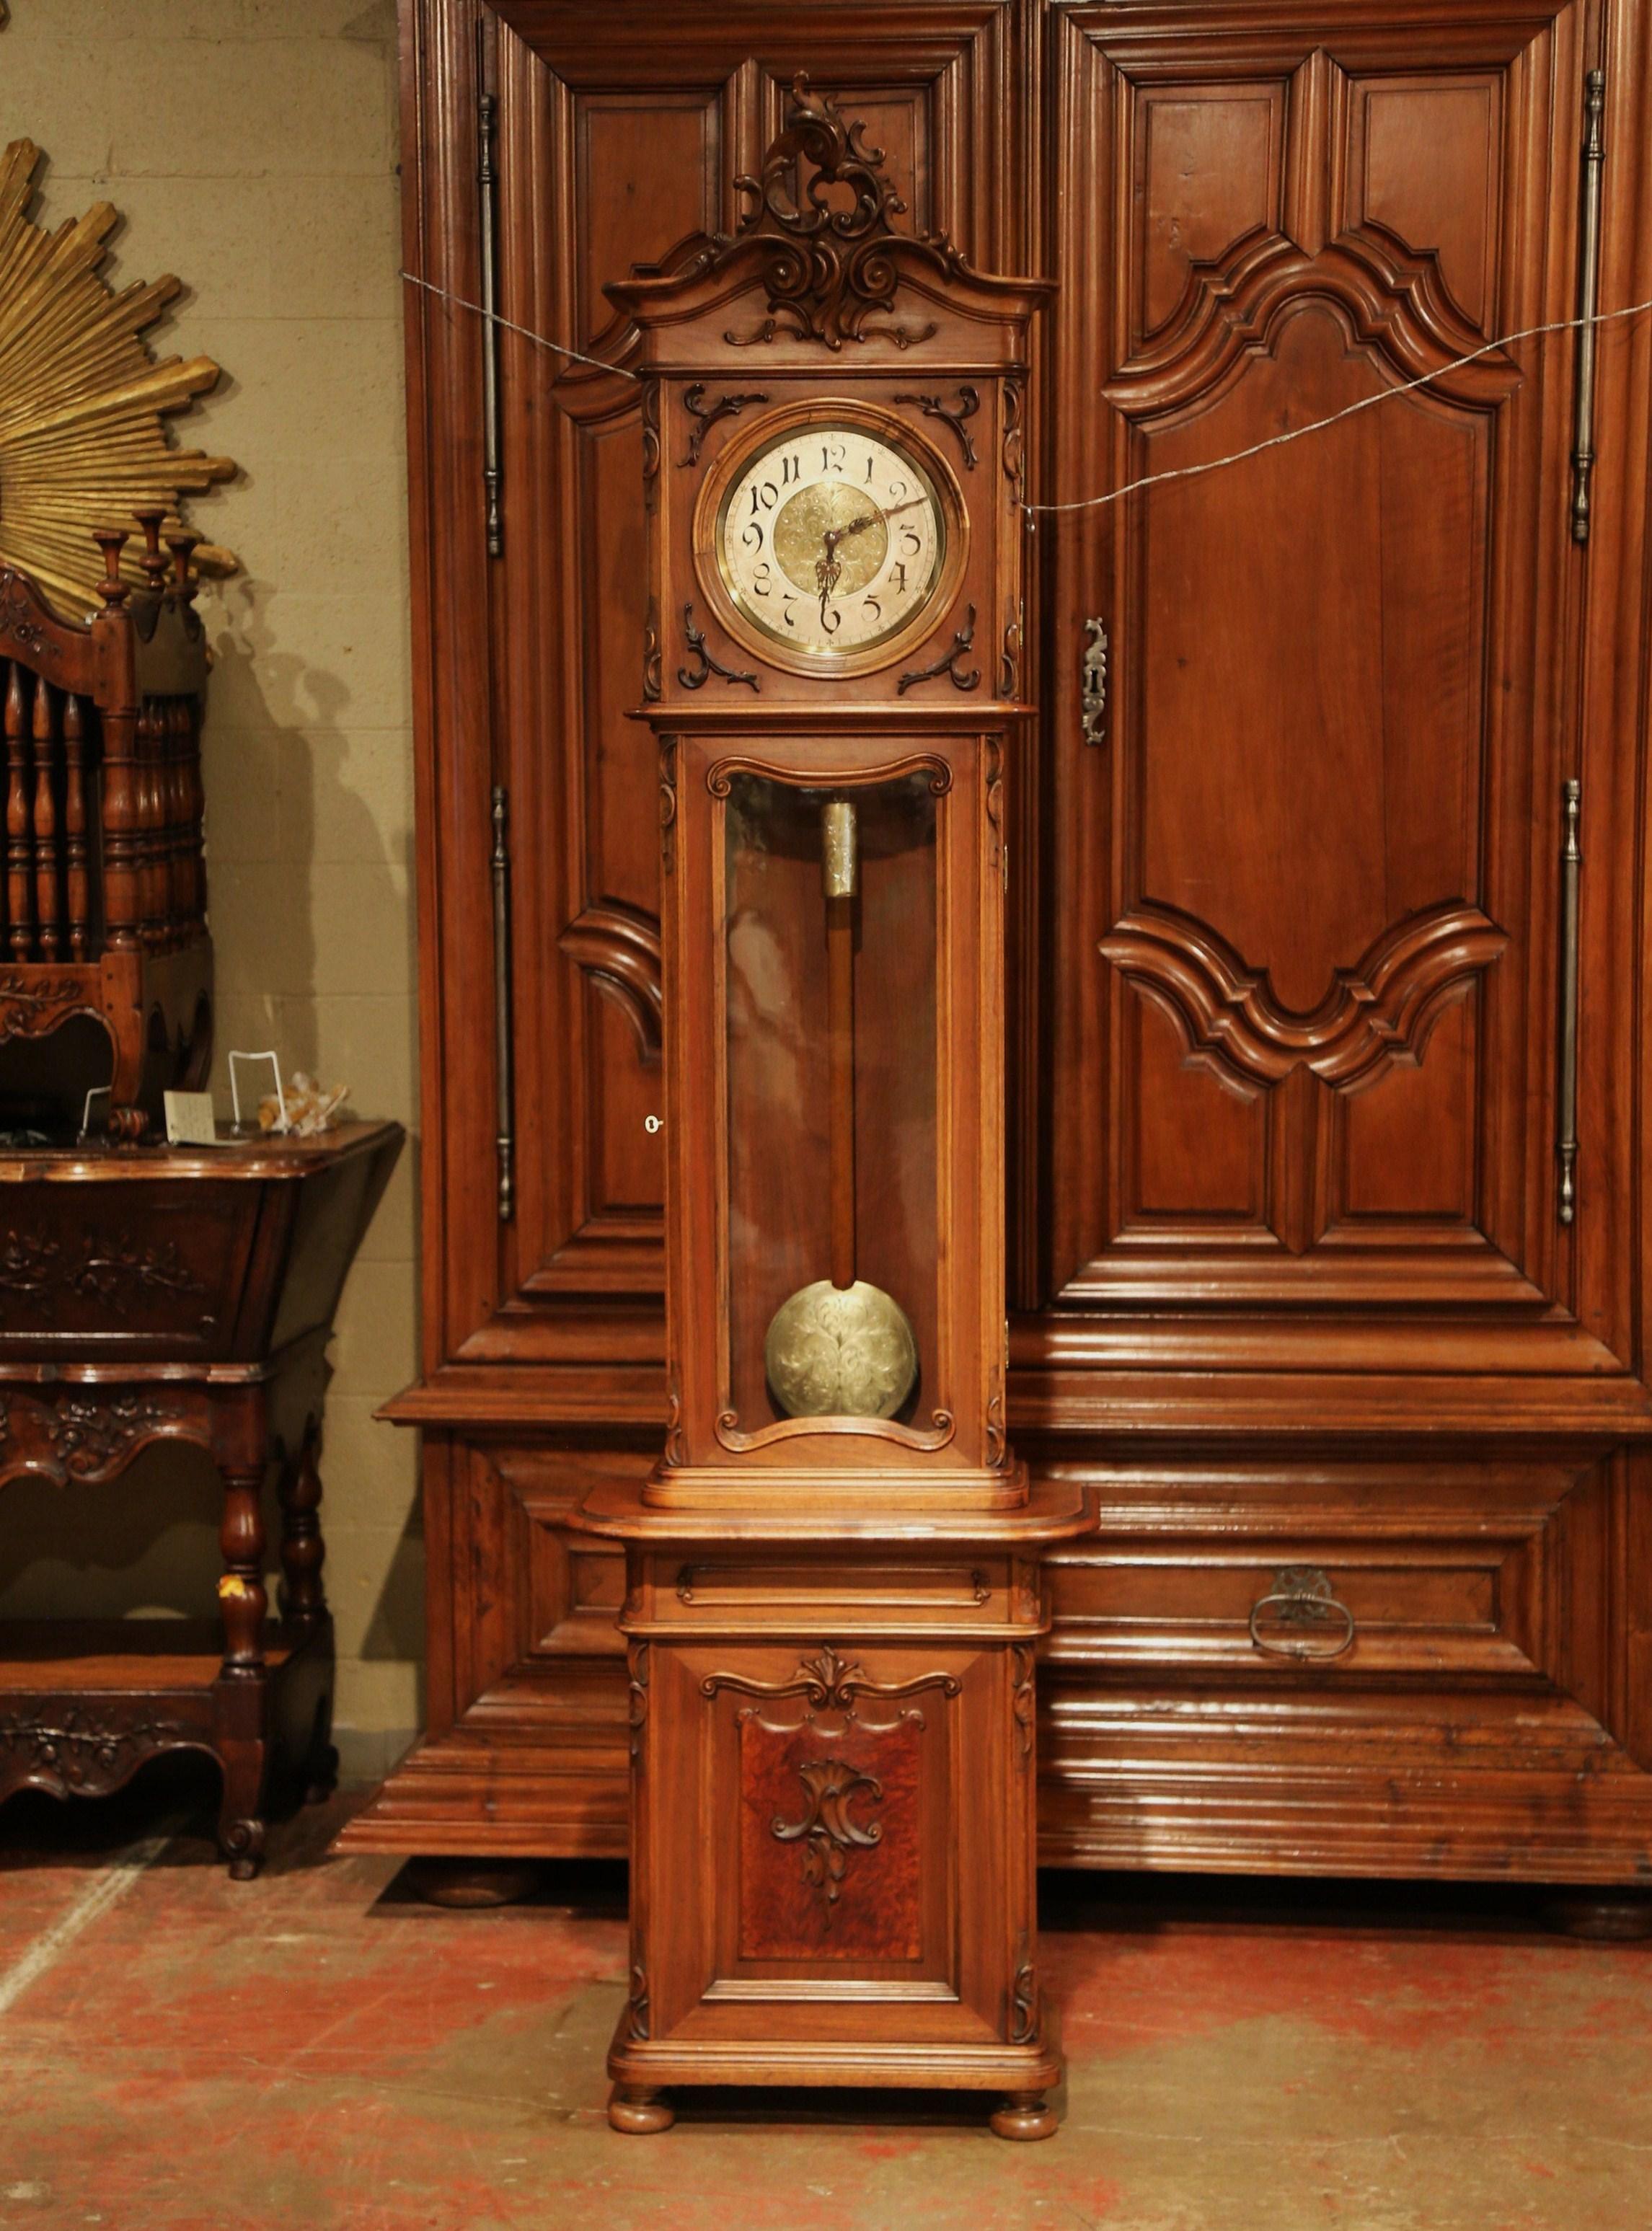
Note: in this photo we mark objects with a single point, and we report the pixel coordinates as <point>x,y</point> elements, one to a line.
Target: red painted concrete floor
<point>318,2051</point>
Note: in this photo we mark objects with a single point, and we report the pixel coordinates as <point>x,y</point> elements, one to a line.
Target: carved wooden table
<point>180,1295</point>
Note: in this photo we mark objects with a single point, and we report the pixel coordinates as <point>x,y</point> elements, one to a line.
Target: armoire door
<point>1307,865</point>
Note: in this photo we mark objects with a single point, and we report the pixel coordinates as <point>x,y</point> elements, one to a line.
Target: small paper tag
<point>189,1121</point>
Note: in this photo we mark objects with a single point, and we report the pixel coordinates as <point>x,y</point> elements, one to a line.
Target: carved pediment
<point>818,242</point>
<point>820,217</point>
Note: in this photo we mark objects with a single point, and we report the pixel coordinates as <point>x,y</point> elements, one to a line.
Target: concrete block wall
<point>251,146</point>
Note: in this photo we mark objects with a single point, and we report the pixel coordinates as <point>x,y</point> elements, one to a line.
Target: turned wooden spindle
<point>111,540</point>
<point>76,868</point>
<point>49,887</point>
<point>188,799</point>
<point>180,866</point>
<point>144,743</point>
<point>19,847</point>
<point>122,900</point>
<point>183,544</point>
<point>150,518</point>
<point>242,1599</point>
<point>303,1597</point>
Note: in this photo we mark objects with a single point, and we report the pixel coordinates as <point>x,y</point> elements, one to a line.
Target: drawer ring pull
<point>1302,1597</point>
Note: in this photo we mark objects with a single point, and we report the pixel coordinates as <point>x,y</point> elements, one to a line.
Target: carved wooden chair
<point>104,888</point>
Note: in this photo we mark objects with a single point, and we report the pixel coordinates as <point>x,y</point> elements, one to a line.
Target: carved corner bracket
<point>963,643</point>
<point>692,677</point>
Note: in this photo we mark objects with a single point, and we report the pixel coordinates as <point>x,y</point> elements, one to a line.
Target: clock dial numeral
<point>830,545</point>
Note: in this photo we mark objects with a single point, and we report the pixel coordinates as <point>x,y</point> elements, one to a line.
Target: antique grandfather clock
<point>833,1579</point>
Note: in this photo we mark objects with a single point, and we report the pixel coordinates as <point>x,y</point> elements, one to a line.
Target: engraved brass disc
<point>840,1352</point>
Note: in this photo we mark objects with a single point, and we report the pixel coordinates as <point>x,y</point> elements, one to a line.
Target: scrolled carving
<point>828,268</point>
<point>953,415</point>
<point>668,802</point>
<point>1010,658</point>
<point>1024,1696</point>
<point>650,441</point>
<point>1376,1014</point>
<point>677,1447</point>
<point>827,1831</point>
<point>830,1683</point>
<point>1014,440</point>
<point>963,642</point>
<point>1024,2003</point>
<point>637,1706</point>
<point>693,677</point>
<point>726,406</point>
<point>637,2001</point>
<point>651,656</point>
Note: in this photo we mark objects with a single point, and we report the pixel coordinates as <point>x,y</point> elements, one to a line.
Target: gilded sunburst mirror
<point>82,401</point>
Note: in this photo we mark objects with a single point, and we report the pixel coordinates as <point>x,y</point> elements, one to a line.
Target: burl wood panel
<point>831,1840</point>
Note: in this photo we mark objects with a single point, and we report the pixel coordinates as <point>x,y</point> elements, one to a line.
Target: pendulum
<point>840,1347</point>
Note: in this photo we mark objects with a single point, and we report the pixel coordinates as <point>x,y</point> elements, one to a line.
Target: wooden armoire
<point>1328,1141</point>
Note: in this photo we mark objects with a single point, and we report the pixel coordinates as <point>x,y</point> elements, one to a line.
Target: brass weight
<point>840,1347</point>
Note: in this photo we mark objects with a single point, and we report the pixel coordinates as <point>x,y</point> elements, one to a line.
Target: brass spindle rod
<point>840,870</point>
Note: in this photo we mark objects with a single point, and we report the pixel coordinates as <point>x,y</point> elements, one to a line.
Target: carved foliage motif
<point>33,1006</point>
<point>830,1683</point>
<point>18,619</point>
<point>828,1831</point>
<point>74,1750</point>
<point>108,1274</point>
<point>80,1435</point>
<point>828,266</point>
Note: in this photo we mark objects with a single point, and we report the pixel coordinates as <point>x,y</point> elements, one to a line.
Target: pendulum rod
<point>840,865</point>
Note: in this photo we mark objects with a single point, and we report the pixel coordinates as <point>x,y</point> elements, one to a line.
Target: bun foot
<point>634,2108</point>
<point>1601,1916</point>
<point>1024,2116</point>
<point>464,1885</point>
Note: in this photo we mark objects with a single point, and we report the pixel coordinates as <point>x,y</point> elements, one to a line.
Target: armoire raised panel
<point>1327,903</point>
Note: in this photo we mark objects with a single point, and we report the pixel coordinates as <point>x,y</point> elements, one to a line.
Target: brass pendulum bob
<point>840,1348</point>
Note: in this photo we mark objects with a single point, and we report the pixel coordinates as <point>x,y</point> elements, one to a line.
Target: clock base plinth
<point>833,1800</point>
<point>1020,2074</point>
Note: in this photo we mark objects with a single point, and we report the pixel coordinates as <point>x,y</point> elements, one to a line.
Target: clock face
<point>832,538</point>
